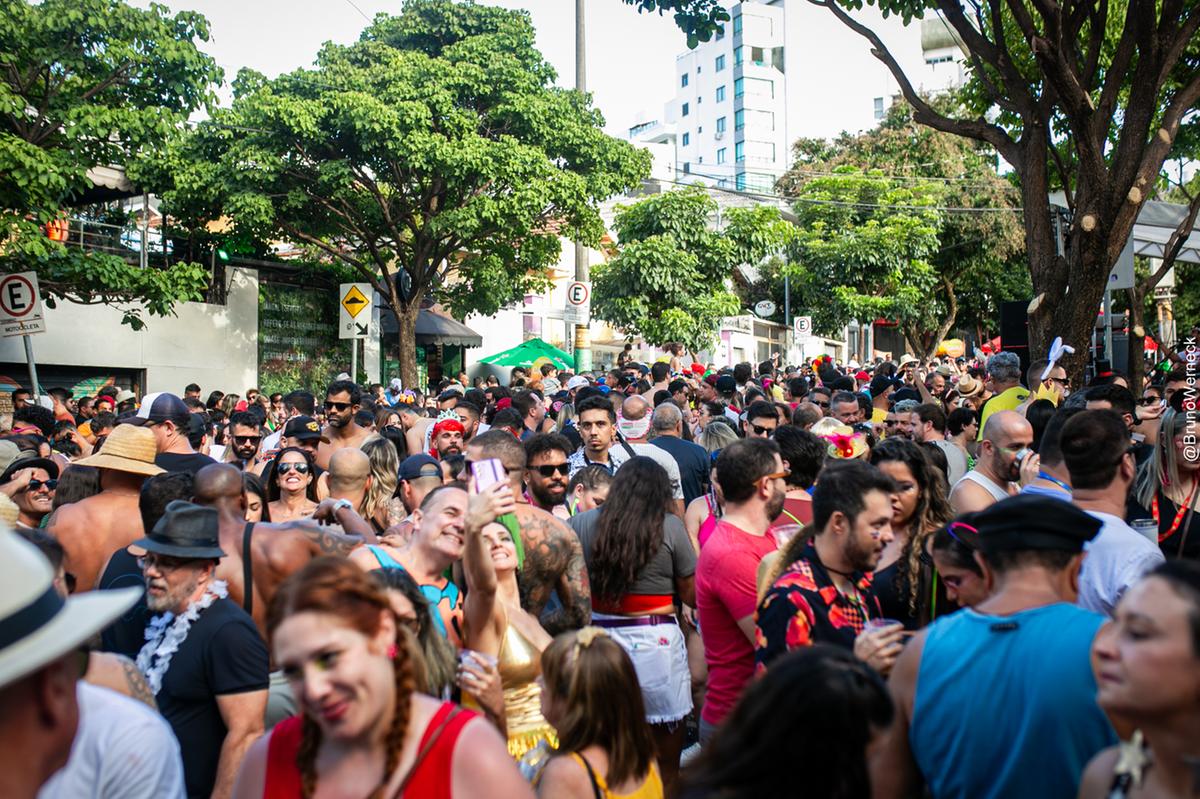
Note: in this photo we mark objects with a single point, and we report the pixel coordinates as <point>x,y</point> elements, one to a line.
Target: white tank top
<point>998,492</point>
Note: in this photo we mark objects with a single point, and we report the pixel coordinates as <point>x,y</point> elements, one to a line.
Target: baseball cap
<point>304,428</point>
<point>420,465</point>
<point>578,381</point>
<point>881,383</point>
<point>155,408</point>
<point>726,384</point>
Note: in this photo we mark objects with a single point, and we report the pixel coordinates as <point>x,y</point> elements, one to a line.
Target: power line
<point>359,10</point>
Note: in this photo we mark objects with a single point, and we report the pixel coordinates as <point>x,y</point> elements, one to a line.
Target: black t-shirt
<point>182,461</point>
<point>222,654</point>
<point>127,635</point>
<point>572,434</point>
<point>693,463</point>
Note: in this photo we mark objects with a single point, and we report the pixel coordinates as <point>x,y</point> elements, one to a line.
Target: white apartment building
<point>784,69</point>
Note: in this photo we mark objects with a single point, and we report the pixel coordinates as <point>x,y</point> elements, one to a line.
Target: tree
<point>1089,96</point>
<point>434,157</point>
<point>976,262</point>
<point>699,19</point>
<point>87,83</point>
<point>863,251</point>
<point>670,279</point>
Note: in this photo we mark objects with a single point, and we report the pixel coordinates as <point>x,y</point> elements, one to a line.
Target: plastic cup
<point>880,624</point>
<point>1147,528</point>
<point>785,533</point>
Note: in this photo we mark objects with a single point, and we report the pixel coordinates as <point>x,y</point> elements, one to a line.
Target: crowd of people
<point>942,578</point>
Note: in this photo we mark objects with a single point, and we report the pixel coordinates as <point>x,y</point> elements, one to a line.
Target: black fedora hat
<point>186,530</point>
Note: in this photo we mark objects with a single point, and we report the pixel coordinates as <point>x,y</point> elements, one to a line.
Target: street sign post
<point>579,303</point>
<point>803,326</point>
<point>21,315</point>
<point>354,318</point>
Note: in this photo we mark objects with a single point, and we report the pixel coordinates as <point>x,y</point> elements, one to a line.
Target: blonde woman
<point>1168,487</point>
<point>381,507</point>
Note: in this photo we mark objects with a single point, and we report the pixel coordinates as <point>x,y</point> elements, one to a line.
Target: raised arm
<point>480,608</point>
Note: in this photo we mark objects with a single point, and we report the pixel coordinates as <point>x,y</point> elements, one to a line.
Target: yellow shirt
<point>1007,400</point>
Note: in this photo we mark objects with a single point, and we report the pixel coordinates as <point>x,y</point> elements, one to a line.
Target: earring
<point>391,652</point>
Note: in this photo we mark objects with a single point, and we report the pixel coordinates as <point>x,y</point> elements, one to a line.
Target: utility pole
<point>583,344</point>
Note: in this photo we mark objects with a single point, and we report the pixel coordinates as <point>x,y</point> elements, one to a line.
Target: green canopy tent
<point>527,352</point>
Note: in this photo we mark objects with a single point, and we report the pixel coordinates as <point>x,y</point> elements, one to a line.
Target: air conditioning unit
<point>719,135</point>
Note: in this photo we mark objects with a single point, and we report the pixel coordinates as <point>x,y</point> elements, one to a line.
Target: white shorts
<point>659,656</point>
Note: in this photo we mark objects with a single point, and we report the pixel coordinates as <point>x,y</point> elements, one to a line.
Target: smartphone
<point>487,473</point>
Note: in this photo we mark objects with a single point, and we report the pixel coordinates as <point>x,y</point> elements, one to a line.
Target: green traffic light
<point>224,256</point>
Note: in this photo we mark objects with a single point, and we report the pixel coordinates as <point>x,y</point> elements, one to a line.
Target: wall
<point>213,345</point>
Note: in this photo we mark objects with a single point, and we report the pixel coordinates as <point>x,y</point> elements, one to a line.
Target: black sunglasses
<point>247,439</point>
<point>549,469</point>
<point>1149,400</point>
<point>336,406</point>
<point>759,430</point>
<point>820,404</point>
<point>284,468</point>
<point>34,485</point>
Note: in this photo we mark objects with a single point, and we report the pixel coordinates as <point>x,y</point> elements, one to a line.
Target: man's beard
<point>547,500</point>
<point>247,454</point>
<point>173,600</point>
<point>448,450</point>
<point>775,504</point>
<point>861,560</point>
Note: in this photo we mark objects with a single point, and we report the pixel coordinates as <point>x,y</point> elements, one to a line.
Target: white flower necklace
<point>166,633</point>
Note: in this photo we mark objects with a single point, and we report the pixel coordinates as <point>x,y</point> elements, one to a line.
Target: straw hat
<point>844,443</point>
<point>9,512</point>
<point>37,626</point>
<point>968,387</point>
<point>128,448</point>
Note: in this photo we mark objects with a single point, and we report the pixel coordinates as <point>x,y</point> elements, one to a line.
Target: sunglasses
<point>1149,400</point>
<point>247,439</point>
<point>776,475</point>
<point>164,563</point>
<point>284,468</point>
<point>550,469</point>
<point>336,406</point>
<point>820,404</point>
<point>759,430</point>
<point>34,485</point>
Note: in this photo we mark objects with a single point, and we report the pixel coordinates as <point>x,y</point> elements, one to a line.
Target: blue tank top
<point>1006,705</point>
<point>433,594</point>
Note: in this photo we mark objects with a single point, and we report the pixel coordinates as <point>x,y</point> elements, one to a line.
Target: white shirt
<point>1116,558</point>
<point>617,455</point>
<point>122,750</point>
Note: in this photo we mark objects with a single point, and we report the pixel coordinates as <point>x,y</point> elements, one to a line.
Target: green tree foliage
<point>699,19</point>
<point>671,279</point>
<point>87,83</point>
<point>1090,97</point>
<point>978,259</point>
<point>433,157</point>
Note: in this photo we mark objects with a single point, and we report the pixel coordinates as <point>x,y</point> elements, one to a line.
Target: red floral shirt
<point>804,607</point>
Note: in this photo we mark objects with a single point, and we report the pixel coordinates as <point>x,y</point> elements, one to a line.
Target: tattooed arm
<point>563,570</point>
<point>117,672</point>
<point>328,512</point>
<point>318,540</point>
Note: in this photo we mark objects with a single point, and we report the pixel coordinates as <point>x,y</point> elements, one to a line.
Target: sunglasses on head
<point>549,469</point>
<point>34,485</point>
<point>284,468</point>
<point>336,406</point>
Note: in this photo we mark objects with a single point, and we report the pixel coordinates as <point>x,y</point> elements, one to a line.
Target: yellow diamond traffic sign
<point>354,301</point>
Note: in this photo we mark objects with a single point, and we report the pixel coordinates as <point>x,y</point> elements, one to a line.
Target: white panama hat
<point>37,626</point>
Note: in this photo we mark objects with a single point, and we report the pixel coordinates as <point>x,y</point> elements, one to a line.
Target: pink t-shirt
<point>725,592</point>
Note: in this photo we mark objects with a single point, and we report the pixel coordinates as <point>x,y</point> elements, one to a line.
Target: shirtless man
<point>437,544</point>
<point>342,400</point>
<point>91,529</point>
<point>553,554</point>
<point>416,427</point>
<point>1005,436</point>
<point>276,550</point>
<point>349,477</point>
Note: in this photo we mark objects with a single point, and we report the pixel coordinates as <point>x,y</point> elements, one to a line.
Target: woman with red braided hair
<point>363,730</point>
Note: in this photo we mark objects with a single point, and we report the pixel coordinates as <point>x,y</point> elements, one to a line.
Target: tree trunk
<point>1137,358</point>
<point>406,344</point>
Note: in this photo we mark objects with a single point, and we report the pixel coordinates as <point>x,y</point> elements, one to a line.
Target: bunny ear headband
<point>1057,351</point>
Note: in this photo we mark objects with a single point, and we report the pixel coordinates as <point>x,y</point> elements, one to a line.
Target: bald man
<point>634,425</point>
<point>553,554</point>
<point>274,550</point>
<point>1004,460</point>
<point>350,477</point>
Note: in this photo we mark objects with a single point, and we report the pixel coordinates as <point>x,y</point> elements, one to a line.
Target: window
<point>720,94</point>
<point>721,156</point>
<point>756,55</point>
<point>755,87</point>
<point>740,182</point>
<point>685,109</point>
<point>698,69</point>
<point>739,87</point>
<point>720,32</point>
<point>700,160</point>
<point>720,124</point>
<point>737,56</point>
<point>879,108</point>
<point>739,119</point>
<point>737,24</point>
<point>739,152</point>
<point>699,100</point>
<point>683,80</point>
<point>687,138</point>
<point>687,168</point>
<point>720,63</point>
